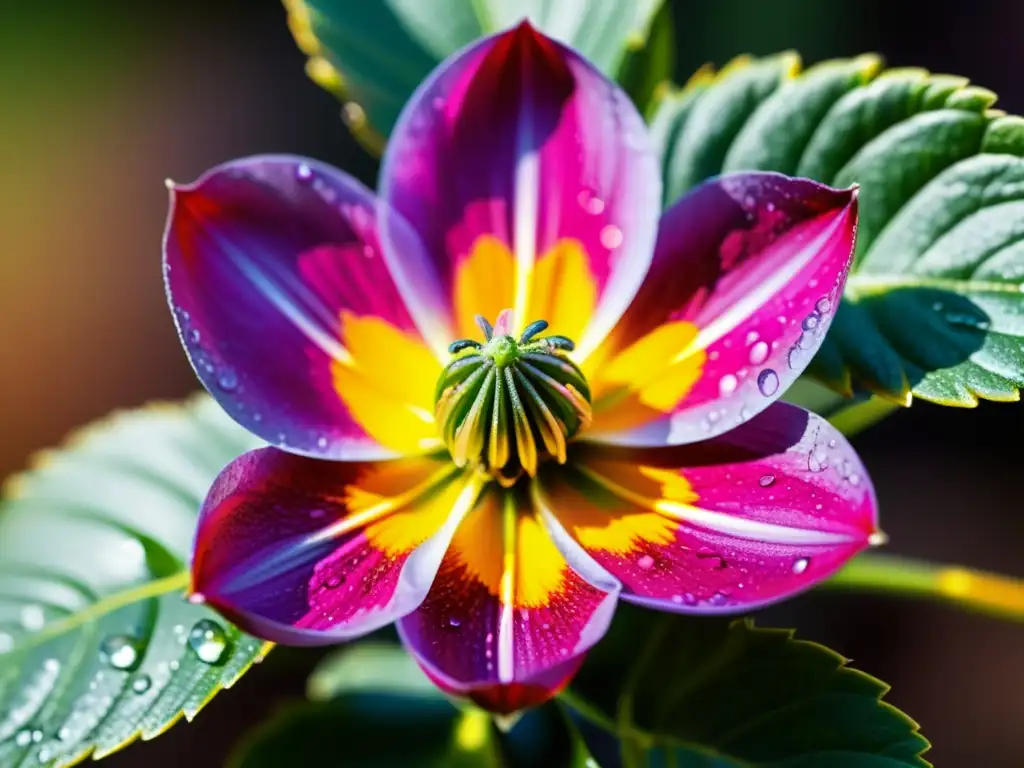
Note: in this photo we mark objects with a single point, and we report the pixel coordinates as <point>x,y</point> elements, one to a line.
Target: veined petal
<point>744,519</point>
<point>531,181</point>
<point>308,552</point>
<point>289,313</point>
<point>748,272</point>
<point>509,607</point>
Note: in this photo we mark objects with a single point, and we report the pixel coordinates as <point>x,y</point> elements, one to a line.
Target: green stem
<point>989,593</point>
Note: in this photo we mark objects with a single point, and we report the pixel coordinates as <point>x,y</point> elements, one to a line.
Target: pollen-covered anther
<point>507,404</point>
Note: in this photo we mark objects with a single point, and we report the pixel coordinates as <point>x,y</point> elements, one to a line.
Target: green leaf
<point>707,692</point>
<point>374,55</point>
<point>933,305</point>
<point>372,707</point>
<point>97,645</point>
<point>369,667</point>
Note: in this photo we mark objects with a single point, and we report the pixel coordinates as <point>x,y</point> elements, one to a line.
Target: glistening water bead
<point>507,404</point>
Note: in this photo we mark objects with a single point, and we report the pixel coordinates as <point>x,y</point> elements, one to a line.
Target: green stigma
<point>507,404</point>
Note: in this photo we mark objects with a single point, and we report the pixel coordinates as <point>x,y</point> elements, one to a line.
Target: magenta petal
<point>749,269</point>
<point>308,552</point>
<point>263,257</point>
<point>507,606</point>
<point>519,139</point>
<point>739,521</point>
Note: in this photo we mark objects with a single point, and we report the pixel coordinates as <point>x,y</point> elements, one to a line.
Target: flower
<point>495,490</point>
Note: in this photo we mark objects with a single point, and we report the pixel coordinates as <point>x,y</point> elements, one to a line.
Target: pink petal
<point>276,279</point>
<point>748,272</point>
<point>307,552</point>
<point>509,607</point>
<point>517,152</point>
<point>739,521</point>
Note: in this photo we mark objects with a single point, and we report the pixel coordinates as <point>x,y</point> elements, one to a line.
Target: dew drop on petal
<point>800,565</point>
<point>227,380</point>
<point>768,382</point>
<point>455,622</point>
<point>823,305</point>
<point>766,481</point>
<point>645,562</point>
<point>303,172</point>
<point>727,385</point>
<point>758,353</point>
<point>611,237</point>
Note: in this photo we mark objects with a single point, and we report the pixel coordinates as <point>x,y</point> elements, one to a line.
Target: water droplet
<point>727,385</point>
<point>455,622</point>
<point>590,202</point>
<point>758,353</point>
<point>119,651</point>
<point>611,237</point>
<point>823,305</point>
<point>64,733</point>
<point>334,582</point>
<point>794,359</point>
<point>719,598</point>
<point>645,562</point>
<point>766,481</point>
<point>227,380</point>
<point>32,618</point>
<point>810,322</point>
<point>194,335</point>
<point>142,683</point>
<point>6,642</point>
<point>438,103</point>
<point>800,565</point>
<point>853,479</point>
<point>23,738</point>
<point>321,443</point>
<point>768,382</point>
<point>45,755</point>
<point>174,665</point>
<point>37,736</point>
<point>257,417</point>
<point>208,641</point>
<point>303,172</point>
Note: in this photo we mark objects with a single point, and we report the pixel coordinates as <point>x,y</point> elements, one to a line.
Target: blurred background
<point>100,101</point>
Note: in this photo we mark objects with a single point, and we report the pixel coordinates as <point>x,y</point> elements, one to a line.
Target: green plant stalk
<point>988,593</point>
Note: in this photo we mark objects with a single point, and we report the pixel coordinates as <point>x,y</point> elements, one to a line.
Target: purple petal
<point>507,607</point>
<point>748,272</point>
<point>739,521</point>
<point>307,552</point>
<point>283,301</point>
<point>530,178</point>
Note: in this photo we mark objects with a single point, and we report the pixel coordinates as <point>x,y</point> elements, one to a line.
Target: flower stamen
<point>508,404</point>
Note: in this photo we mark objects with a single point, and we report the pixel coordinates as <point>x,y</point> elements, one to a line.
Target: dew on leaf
<point>119,651</point>
<point>208,641</point>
